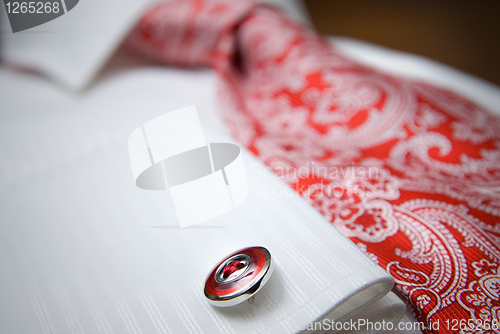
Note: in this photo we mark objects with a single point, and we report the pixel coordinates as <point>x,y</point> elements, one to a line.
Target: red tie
<point>409,172</point>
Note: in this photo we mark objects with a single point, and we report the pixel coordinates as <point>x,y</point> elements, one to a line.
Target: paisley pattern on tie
<point>409,172</point>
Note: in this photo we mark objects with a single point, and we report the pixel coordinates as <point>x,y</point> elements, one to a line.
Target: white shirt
<point>84,249</point>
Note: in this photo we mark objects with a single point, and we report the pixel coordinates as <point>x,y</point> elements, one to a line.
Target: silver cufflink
<point>238,276</point>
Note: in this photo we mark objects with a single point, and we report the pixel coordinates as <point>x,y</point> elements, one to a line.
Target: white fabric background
<point>97,254</point>
<point>57,150</point>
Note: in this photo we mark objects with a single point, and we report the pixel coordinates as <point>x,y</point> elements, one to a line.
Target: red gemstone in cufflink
<point>239,276</point>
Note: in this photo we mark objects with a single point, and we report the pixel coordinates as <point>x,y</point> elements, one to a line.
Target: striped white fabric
<point>96,254</point>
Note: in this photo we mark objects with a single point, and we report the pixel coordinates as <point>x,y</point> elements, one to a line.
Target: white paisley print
<point>409,172</point>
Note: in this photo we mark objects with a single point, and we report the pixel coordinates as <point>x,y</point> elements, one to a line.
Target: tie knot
<point>187,32</point>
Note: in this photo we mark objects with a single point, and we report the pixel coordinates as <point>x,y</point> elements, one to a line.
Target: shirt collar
<point>72,48</point>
